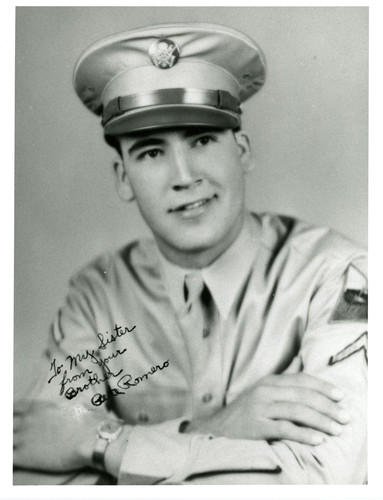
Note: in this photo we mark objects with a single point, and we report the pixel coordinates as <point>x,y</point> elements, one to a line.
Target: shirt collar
<point>224,277</point>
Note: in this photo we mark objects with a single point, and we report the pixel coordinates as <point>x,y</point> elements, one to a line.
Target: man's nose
<point>183,173</point>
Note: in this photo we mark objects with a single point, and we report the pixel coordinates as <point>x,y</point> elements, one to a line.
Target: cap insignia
<point>164,53</point>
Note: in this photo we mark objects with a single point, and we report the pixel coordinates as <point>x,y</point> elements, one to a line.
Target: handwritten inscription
<point>93,379</point>
<point>126,382</point>
<point>70,385</point>
<point>118,332</point>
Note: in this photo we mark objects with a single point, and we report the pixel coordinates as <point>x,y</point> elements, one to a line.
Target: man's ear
<point>121,179</point>
<point>245,151</point>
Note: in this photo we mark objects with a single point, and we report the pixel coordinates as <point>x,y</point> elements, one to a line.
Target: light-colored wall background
<point>308,128</point>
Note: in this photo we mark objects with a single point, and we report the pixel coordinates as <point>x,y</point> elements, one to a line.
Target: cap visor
<point>169,117</point>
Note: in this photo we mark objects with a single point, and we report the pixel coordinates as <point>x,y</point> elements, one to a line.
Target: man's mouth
<point>193,205</point>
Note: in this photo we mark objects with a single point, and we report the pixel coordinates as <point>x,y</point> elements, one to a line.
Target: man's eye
<point>151,153</point>
<point>205,139</point>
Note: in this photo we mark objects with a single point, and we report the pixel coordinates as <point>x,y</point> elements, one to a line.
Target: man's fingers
<point>304,416</point>
<point>303,380</point>
<point>312,400</point>
<point>287,430</point>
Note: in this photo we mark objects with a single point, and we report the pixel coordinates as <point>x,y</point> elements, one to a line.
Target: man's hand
<point>54,437</point>
<point>298,407</point>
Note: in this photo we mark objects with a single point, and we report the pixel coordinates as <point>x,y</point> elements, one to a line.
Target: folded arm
<point>286,429</point>
<point>267,435</point>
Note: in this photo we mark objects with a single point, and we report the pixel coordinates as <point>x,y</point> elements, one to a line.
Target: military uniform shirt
<point>287,297</point>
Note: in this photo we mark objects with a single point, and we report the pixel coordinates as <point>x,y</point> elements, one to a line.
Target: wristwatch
<point>107,432</point>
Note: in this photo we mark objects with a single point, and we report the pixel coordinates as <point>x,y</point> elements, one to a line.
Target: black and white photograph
<point>190,246</point>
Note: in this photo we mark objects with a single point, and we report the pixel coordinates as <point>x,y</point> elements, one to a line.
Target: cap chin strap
<point>219,99</point>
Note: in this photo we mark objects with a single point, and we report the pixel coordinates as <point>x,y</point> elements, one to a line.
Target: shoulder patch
<point>352,304</point>
<point>360,344</point>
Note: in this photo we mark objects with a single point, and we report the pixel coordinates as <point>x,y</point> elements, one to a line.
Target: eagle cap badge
<point>164,53</point>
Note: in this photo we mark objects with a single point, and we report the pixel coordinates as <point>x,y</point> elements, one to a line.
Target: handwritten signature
<point>88,378</point>
<point>126,382</point>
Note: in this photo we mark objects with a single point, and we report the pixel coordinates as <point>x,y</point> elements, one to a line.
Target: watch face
<point>110,429</point>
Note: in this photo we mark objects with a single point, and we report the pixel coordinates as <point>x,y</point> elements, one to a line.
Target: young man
<point>230,348</point>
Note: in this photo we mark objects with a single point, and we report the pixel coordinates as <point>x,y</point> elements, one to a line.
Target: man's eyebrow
<point>144,142</point>
<point>190,132</point>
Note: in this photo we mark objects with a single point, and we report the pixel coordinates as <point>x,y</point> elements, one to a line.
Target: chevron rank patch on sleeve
<point>360,344</point>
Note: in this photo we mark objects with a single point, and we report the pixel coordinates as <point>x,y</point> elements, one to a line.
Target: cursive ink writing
<point>126,382</point>
<point>89,355</point>
<point>56,370</point>
<point>73,360</point>
<point>119,332</point>
<point>99,399</point>
<point>93,379</point>
<point>65,380</point>
<point>72,392</point>
<point>73,383</point>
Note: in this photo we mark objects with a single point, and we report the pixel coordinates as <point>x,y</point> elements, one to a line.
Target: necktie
<point>199,307</point>
<point>193,287</point>
<point>198,322</point>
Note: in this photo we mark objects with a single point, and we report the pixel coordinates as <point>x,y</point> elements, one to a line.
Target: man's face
<point>189,186</point>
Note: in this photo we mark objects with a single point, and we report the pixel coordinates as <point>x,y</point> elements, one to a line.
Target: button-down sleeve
<point>155,456</point>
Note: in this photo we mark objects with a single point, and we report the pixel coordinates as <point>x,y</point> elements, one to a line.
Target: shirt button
<point>143,417</point>
<point>206,398</point>
<point>205,333</point>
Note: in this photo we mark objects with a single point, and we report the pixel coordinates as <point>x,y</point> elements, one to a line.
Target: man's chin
<point>200,252</point>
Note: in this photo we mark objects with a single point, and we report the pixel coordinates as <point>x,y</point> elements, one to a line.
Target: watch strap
<point>99,451</point>
<point>107,432</point>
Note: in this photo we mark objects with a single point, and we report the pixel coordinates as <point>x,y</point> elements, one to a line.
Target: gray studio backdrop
<point>308,128</point>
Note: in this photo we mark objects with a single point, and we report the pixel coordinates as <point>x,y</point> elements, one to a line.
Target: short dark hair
<point>113,142</point>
